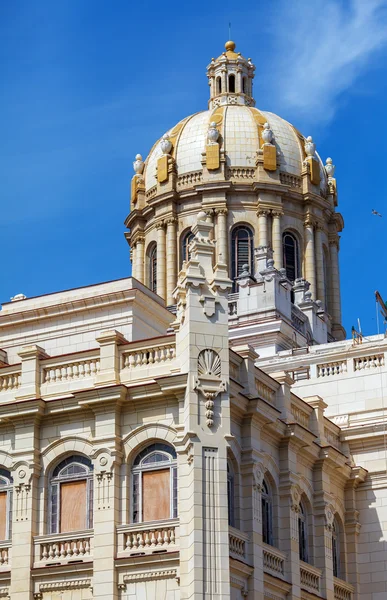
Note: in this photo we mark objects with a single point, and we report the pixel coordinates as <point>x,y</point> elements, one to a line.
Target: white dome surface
<point>240,142</point>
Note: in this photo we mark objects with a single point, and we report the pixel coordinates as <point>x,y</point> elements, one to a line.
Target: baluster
<point>153,538</point>
<point>135,541</point>
<point>166,538</point>
<point>147,540</point>
<point>79,549</point>
<point>157,354</point>
<point>92,367</point>
<point>56,550</point>
<point>132,361</point>
<point>76,370</point>
<point>141,541</point>
<point>62,550</point>
<point>5,558</point>
<point>44,555</point>
<point>144,357</point>
<point>159,538</point>
<point>87,547</point>
<point>51,553</point>
<point>81,369</point>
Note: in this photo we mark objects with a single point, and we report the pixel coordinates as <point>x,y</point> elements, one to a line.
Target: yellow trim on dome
<point>260,120</point>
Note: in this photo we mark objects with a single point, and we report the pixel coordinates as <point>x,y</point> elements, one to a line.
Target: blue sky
<point>85,85</point>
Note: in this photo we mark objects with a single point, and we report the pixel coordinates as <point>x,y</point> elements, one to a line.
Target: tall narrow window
<point>230,496</point>
<point>71,495</point>
<point>231,83</point>
<point>336,549</point>
<point>153,269</point>
<point>291,256</point>
<point>154,484</point>
<point>241,250</point>
<point>218,85</point>
<point>185,242</point>
<point>5,504</point>
<point>244,85</point>
<point>267,515</point>
<point>303,534</point>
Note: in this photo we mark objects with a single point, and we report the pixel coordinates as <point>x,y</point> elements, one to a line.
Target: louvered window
<point>153,269</point>
<point>291,257</point>
<point>267,515</point>
<point>241,250</point>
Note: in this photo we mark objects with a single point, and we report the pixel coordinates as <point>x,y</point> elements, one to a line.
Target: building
<point>167,435</point>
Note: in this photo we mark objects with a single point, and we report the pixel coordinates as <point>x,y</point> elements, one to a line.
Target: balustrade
<point>273,561</point>
<point>368,362</point>
<point>5,554</point>
<point>331,368</point>
<point>71,370</point>
<point>342,589</point>
<point>141,357</point>
<point>148,538</point>
<point>310,577</point>
<point>62,548</point>
<point>10,381</point>
<point>237,541</point>
<point>300,416</point>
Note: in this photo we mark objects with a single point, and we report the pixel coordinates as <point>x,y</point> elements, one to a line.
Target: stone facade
<point>221,449</point>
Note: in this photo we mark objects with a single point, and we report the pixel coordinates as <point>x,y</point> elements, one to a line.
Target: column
<point>335,303</point>
<point>161,259</point>
<point>140,267</point>
<point>224,81</point>
<point>321,283</point>
<point>239,88</point>
<point>171,259</point>
<point>277,240</point>
<point>310,266</point>
<point>24,504</point>
<point>221,234</point>
<point>134,264</point>
<point>262,227</point>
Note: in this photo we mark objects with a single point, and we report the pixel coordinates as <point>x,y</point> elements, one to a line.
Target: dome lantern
<point>231,78</point>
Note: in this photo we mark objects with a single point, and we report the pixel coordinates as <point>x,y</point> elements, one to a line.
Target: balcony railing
<point>238,543</point>
<point>148,538</point>
<point>5,555</point>
<point>342,589</point>
<point>273,561</point>
<point>61,548</point>
<point>310,578</point>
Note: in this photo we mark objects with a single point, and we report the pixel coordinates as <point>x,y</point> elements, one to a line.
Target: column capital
<point>171,221</point>
<point>277,213</point>
<point>138,238</point>
<point>333,239</point>
<point>221,211</point>
<point>309,222</point>
<point>262,212</point>
<point>160,225</point>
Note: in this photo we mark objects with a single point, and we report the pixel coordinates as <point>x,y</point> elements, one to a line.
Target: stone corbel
<point>329,517</point>
<point>22,473</point>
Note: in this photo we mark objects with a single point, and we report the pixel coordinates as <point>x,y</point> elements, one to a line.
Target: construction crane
<point>383,306</point>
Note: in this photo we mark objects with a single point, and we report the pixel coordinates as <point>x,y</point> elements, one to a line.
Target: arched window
<point>267,514</point>
<point>154,484</point>
<point>336,549</point>
<point>185,241</point>
<point>218,85</point>
<point>303,541</point>
<point>230,495</point>
<point>242,241</point>
<point>244,85</point>
<point>291,256</point>
<point>71,495</point>
<point>231,83</point>
<point>5,504</point>
<point>153,268</point>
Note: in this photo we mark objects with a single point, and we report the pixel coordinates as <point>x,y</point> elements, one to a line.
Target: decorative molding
<point>5,593</point>
<point>208,381</point>
<point>103,468</point>
<point>22,474</point>
<point>150,575</point>
<point>209,363</point>
<point>64,585</point>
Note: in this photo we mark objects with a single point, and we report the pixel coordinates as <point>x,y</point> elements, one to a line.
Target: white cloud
<point>323,46</point>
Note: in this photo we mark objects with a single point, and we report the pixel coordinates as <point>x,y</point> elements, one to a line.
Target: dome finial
<point>230,46</point>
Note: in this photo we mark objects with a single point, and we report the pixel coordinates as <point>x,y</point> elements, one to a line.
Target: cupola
<point>230,78</point>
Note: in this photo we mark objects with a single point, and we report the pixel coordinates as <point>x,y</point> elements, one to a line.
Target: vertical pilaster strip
<point>262,227</point>
<point>134,258</point>
<point>161,259</point>
<point>321,283</point>
<point>171,259</point>
<point>140,266</point>
<point>277,240</point>
<point>222,235</point>
<point>335,308</point>
<point>211,566</point>
<point>310,266</point>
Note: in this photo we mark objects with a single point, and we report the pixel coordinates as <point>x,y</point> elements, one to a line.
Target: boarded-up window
<point>3,515</point>
<point>156,495</point>
<point>73,506</point>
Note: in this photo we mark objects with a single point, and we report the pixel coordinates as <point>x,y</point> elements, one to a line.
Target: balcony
<point>310,578</point>
<point>63,548</point>
<point>342,589</point>
<point>154,537</point>
<point>238,543</point>
<point>5,555</point>
<point>273,561</point>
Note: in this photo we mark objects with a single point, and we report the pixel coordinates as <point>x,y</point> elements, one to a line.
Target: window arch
<point>71,495</point>
<point>303,541</point>
<point>336,558</point>
<point>186,239</point>
<point>291,256</point>
<point>242,249</point>
<point>6,482</point>
<point>218,85</point>
<point>154,484</point>
<point>153,268</point>
<point>231,495</point>
<point>231,83</point>
<point>267,514</point>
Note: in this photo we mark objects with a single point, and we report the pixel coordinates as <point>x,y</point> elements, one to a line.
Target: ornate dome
<point>239,128</point>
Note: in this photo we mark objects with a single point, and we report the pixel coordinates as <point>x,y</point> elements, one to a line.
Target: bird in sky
<point>375,212</point>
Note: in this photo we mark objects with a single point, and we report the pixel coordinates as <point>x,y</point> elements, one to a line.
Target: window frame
<point>152,263</point>
<point>336,550</point>
<point>267,510</point>
<point>6,485</point>
<point>57,478</point>
<point>234,250</point>
<point>185,240</point>
<point>297,257</point>
<point>303,540</point>
<point>230,495</point>
<point>138,469</point>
